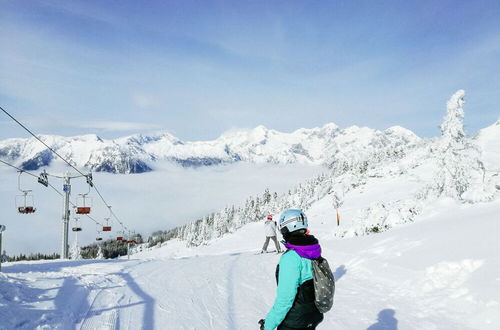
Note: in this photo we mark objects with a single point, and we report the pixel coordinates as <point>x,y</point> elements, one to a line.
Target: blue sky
<point>198,68</point>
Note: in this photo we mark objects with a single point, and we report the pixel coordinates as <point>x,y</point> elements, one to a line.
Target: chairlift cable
<point>49,184</point>
<point>67,162</point>
<point>19,169</point>
<point>109,207</point>
<point>36,137</point>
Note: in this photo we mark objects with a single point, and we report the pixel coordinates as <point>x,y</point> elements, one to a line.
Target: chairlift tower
<point>2,229</point>
<point>66,212</point>
<point>65,217</point>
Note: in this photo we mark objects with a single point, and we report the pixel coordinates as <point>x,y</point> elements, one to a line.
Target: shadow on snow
<point>70,302</point>
<point>339,272</point>
<point>385,321</point>
<point>51,265</point>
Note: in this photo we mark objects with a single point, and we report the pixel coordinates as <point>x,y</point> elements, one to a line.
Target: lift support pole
<point>65,217</point>
<point>2,229</point>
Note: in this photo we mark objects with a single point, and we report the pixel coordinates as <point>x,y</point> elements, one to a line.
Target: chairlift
<point>107,227</point>
<point>24,202</point>
<point>134,239</point>
<point>44,178</point>
<point>99,235</point>
<point>83,202</point>
<point>121,238</point>
<point>76,227</point>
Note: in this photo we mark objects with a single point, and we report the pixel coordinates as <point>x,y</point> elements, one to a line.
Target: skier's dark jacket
<point>294,307</point>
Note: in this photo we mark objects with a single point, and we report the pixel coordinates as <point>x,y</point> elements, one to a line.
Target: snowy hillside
<point>138,153</point>
<point>417,174</point>
<point>438,273</point>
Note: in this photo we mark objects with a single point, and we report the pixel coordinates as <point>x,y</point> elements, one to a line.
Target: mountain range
<point>139,153</point>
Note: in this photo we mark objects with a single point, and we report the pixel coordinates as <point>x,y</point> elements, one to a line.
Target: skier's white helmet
<point>292,220</point>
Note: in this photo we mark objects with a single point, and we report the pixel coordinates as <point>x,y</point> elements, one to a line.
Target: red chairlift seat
<point>83,210</point>
<point>26,209</point>
<point>106,228</point>
<point>119,238</point>
<point>25,201</point>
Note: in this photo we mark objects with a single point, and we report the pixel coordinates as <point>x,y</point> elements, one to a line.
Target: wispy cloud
<point>145,100</point>
<point>119,126</point>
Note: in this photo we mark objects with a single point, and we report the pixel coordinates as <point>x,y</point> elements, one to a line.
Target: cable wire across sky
<point>91,183</point>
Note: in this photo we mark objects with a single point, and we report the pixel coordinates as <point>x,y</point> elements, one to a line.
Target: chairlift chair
<point>24,202</point>
<point>83,202</point>
<point>99,234</point>
<point>76,227</point>
<point>107,227</point>
<point>121,238</point>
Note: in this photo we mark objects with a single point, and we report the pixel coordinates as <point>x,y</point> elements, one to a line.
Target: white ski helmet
<point>292,220</point>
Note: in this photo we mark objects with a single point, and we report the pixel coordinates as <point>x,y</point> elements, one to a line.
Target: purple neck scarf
<point>306,251</point>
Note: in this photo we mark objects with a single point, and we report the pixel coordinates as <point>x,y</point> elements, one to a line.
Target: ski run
<point>439,273</point>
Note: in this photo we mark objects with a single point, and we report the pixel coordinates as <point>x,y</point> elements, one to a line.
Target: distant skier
<point>294,307</point>
<point>270,228</point>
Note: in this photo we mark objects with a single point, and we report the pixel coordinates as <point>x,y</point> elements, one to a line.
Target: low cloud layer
<point>146,202</point>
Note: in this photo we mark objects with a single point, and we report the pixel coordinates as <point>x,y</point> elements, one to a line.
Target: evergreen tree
<point>100,255</point>
<point>75,253</point>
<point>461,169</point>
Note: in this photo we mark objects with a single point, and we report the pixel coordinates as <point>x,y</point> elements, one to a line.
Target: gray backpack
<point>324,284</point>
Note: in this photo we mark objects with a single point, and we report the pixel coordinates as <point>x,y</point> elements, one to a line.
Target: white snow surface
<point>441,272</point>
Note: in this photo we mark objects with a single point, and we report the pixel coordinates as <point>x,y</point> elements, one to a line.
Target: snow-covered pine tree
<point>461,175</point>
<point>75,252</point>
<point>100,255</point>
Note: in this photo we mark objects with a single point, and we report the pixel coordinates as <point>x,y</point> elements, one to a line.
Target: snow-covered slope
<point>488,139</point>
<point>137,153</point>
<point>438,273</point>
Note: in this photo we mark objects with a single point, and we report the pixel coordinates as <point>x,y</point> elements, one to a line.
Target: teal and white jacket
<point>294,305</point>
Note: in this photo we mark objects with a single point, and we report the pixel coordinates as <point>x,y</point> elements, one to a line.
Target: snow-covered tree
<point>75,252</point>
<point>100,255</point>
<point>461,173</point>
<point>452,127</point>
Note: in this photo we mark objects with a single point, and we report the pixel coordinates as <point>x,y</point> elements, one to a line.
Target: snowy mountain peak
<point>136,153</point>
<point>403,133</point>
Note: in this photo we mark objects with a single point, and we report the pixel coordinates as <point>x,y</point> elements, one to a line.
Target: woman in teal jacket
<point>294,307</point>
